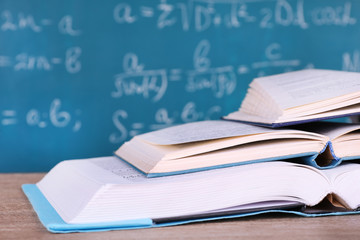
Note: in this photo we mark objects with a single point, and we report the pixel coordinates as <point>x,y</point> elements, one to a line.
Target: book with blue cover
<point>102,194</point>
<point>299,97</point>
<point>213,144</point>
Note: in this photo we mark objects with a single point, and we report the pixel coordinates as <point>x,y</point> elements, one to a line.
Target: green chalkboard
<point>78,78</point>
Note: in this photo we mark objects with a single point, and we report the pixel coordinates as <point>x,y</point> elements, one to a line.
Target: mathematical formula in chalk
<point>54,116</point>
<point>70,60</point>
<point>351,61</point>
<point>19,21</point>
<point>220,81</point>
<point>202,15</point>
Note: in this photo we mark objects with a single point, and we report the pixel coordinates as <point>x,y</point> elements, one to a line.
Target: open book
<point>300,96</point>
<point>106,193</point>
<point>211,144</point>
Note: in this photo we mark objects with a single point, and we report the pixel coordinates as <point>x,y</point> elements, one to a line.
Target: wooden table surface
<point>19,221</point>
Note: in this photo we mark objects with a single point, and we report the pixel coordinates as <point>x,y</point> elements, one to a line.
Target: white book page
<point>307,86</point>
<point>126,194</point>
<point>345,179</point>
<point>272,176</point>
<point>244,116</point>
<point>113,170</point>
<point>341,130</point>
<point>200,131</point>
<point>335,173</point>
<point>331,129</point>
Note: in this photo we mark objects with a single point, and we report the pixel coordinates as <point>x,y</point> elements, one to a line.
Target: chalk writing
<point>66,26</point>
<point>9,117</point>
<point>273,59</point>
<point>284,14</point>
<point>55,117</point>
<point>10,21</point>
<point>27,62</point>
<point>351,61</point>
<point>221,80</point>
<point>202,15</point>
<point>150,84</point>
<point>339,16</point>
<point>122,133</point>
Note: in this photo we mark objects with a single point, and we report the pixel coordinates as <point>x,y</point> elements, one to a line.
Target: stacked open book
<point>221,169</point>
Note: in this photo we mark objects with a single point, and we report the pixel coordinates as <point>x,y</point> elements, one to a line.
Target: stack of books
<point>272,155</point>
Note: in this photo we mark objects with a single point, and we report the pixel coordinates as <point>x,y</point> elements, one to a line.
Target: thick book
<point>300,96</point>
<point>212,144</point>
<point>105,193</point>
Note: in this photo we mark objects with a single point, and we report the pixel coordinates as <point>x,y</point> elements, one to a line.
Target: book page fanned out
<point>298,97</point>
<point>308,86</point>
<point>200,131</point>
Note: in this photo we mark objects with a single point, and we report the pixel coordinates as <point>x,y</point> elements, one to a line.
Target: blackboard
<point>78,78</point>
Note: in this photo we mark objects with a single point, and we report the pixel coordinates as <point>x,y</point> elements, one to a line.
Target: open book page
<point>154,158</point>
<point>199,131</point>
<point>258,101</point>
<point>117,171</point>
<point>334,174</point>
<point>206,136</point>
<point>345,184</point>
<point>125,194</point>
<point>269,181</point>
<point>340,129</point>
<point>113,170</point>
<point>307,86</point>
<point>331,129</point>
<point>249,117</point>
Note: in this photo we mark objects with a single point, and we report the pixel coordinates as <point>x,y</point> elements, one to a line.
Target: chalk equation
<point>54,116</point>
<point>201,15</point>
<point>161,119</point>
<point>71,61</point>
<point>151,84</point>
<point>19,21</point>
<point>351,61</point>
<point>220,81</point>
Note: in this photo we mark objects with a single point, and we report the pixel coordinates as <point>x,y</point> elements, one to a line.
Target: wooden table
<point>19,221</point>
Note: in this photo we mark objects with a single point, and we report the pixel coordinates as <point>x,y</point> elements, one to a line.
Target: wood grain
<point>19,221</point>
